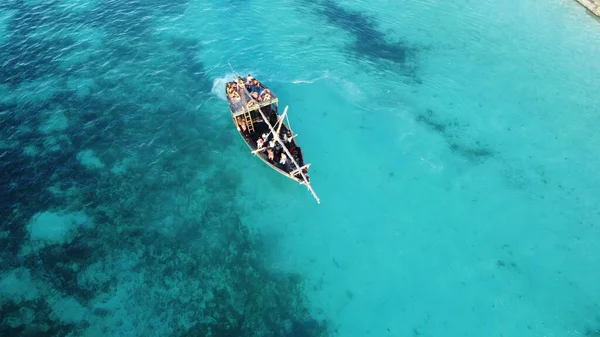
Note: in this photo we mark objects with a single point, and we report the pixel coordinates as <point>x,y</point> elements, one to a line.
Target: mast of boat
<point>276,136</point>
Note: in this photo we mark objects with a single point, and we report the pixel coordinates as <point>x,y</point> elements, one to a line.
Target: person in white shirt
<point>288,137</point>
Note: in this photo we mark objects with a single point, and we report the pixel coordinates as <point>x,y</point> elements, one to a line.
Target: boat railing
<point>241,108</point>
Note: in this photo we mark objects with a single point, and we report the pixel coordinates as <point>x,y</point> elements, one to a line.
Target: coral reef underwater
<point>120,213</point>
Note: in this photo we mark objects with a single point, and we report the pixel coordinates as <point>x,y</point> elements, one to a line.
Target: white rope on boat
<point>276,136</point>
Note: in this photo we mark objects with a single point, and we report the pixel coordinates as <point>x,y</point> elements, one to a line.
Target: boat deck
<point>261,128</point>
<point>251,102</point>
<point>240,106</point>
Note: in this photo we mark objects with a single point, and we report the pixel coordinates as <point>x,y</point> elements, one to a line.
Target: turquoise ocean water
<point>454,146</point>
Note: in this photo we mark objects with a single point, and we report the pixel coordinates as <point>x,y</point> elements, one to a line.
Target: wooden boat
<point>254,110</point>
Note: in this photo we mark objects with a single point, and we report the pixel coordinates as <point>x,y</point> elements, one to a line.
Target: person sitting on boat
<point>256,87</point>
<point>236,101</point>
<point>288,138</point>
<point>249,79</point>
<point>242,125</point>
<point>260,143</point>
<point>230,89</point>
<point>271,155</point>
<point>278,147</point>
<point>238,122</point>
<point>240,86</point>
<point>283,159</point>
<point>255,96</point>
<point>235,88</point>
<point>235,97</point>
<point>272,143</point>
<point>265,95</point>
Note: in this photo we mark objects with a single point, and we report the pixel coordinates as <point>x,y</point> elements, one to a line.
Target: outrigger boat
<point>264,130</point>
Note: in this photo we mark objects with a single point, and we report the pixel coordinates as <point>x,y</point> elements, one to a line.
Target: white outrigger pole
<point>276,136</point>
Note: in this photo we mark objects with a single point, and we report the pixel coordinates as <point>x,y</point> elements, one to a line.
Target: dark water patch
<point>79,250</point>
<point>450,132</point>
<point>41,324</point>
<point>23,189</point>
<point>369,42</point>
<point>65,98</point>
<point>506,264</point>
<point>428,120</point>
<point>171,147</point>
<point>27,57</point>
<point>31,58</point>
<point>10,4</point>
<point>101,312</point>
<point>24,179</point>
<point>132,18</point>
<point>123,49</point>
<point>237,312</point>
<point>190,49</point>
<point>592,332</point>
<point>25,119</point>
<point>122,18</point>
<point>307,328</point>
<point>473,154</point>
<point>5,109</point>
<point>10,310</point>
<point>103,126</point>
<point>233,310</point>
<point>45,15</point>
<point>56,254</point>
<point>593,329</point>
<point>9,124</point>
<point>59,265</point>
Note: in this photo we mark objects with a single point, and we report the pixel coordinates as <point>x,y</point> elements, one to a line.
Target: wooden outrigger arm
<point>276,137</point>
<point>281,119</point>
<point>300,169</point>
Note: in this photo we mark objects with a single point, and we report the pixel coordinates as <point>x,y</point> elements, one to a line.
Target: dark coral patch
<point>450,132</point>
<point>170,148</point>
<point>369,42</point>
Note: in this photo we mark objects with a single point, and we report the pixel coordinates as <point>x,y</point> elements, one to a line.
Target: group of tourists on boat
<point>275,153</point>
<point>259,93</point>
